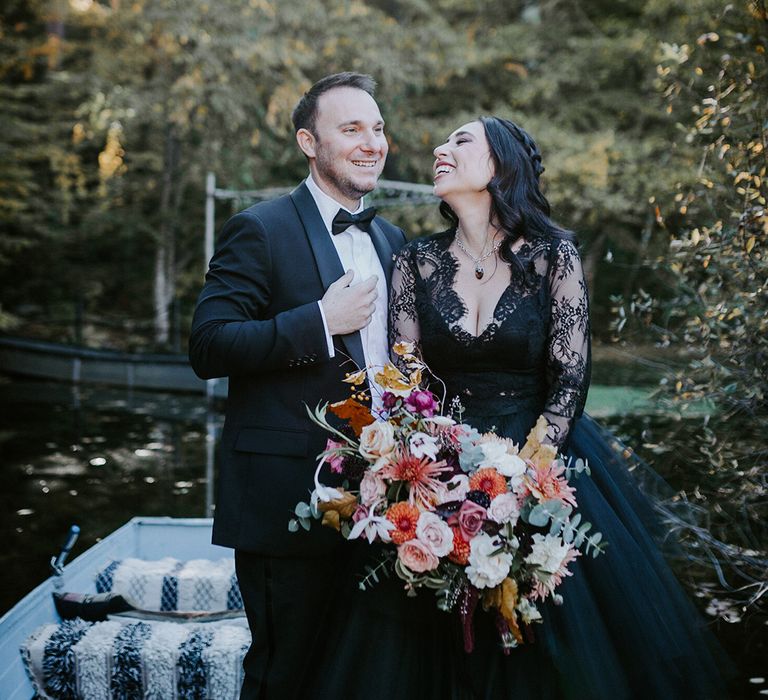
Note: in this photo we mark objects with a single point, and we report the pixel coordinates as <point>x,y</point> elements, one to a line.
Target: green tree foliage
<point>716,312</point>
<point>719,86</point>
<point>39,183</point>
<point>136,100</point>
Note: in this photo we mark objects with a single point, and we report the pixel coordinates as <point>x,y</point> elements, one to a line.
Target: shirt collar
<point>326,205</point>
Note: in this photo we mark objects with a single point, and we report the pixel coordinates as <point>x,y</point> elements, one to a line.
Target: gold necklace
<point>479,269</point>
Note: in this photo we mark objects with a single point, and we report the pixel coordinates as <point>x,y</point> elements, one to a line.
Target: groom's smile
<point>347,147</point>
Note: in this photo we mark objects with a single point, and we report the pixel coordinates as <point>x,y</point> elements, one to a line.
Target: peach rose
<point>417,556</point>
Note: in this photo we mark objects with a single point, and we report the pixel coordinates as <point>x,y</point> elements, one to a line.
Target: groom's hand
<point>349,308</point>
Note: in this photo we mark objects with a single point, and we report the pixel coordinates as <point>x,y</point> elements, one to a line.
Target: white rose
<point>377,440</point>
<point>495,455</point>
<point>487,569</point>
<point>548,553</point>
<point>423,445</point>
<point>434,532</point>
<point>372,488</point>
<point>504,509</point>
<point>456,489</point>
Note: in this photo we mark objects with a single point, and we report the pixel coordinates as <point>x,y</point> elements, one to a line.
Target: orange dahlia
<point>460,552</point>
<point>488,480</point>
<point>404,517</point>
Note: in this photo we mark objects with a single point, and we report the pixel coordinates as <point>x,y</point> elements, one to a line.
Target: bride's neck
<point>476,228</point>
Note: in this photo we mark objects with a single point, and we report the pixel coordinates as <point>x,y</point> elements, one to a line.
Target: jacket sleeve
<point>231,332</point>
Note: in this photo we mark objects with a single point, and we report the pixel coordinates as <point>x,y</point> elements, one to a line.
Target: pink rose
<point>417,557</point>
<point>372,488</point>
<point>434,532</point>
<point>471,518</point>
<point>422,402</point>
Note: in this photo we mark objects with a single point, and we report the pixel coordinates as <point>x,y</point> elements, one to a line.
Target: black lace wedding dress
<point>625,629</point>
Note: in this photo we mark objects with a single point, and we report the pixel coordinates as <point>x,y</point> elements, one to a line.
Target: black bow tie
<point>343,220</point>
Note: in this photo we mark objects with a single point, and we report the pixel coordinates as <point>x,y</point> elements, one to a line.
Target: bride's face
<point>463,163</point>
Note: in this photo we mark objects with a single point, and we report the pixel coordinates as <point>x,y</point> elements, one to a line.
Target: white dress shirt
<point>356,252</point>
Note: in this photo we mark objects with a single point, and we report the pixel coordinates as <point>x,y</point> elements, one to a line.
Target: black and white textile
<point>137,659</point>
<point>169,584</point>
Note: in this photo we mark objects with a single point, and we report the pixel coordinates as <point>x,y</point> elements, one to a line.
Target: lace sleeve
<point>403,317</point>
<point>568,344</point>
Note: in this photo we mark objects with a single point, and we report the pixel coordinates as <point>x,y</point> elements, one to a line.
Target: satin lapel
<point>383,250</point>
<point>326,258</point>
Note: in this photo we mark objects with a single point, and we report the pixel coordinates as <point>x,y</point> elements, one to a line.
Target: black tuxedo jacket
<point>257,321</point>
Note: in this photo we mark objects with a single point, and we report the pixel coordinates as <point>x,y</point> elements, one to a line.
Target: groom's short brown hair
<point>305,112</point>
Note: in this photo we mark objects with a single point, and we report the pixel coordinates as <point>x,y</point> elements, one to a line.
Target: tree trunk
<point>161,283</point>
<point>165,252</point>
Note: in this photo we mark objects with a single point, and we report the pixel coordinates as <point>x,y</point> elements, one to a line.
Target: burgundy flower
<point>389,400</point>
<point>471,519</point>
<point>422,402</point>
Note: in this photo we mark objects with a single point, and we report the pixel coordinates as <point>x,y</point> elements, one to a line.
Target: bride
<point>497,308</point>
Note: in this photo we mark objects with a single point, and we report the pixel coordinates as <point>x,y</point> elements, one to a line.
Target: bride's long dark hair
<point>517,203</point>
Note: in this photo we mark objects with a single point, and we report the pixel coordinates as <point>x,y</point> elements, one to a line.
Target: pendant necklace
<point>479,269</point>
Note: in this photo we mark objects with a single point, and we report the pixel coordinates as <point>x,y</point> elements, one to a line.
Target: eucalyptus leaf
<point>303,510</point>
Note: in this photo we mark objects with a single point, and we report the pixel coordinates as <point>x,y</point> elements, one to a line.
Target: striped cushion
<point>129,658</point>
<point>169,584</point>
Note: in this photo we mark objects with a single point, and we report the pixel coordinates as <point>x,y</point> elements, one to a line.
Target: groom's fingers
<point>349,308</point>
<point>344,281</point>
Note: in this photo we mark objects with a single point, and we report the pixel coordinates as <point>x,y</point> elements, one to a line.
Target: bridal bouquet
<point>472,517</point>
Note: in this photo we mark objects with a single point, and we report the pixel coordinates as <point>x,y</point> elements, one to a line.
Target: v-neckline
<point>454,270</point>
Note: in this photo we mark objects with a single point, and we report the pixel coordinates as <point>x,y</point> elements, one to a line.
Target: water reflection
<point>95,457</point>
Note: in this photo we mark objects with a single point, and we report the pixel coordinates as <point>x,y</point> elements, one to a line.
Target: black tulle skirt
<point>626,629</point>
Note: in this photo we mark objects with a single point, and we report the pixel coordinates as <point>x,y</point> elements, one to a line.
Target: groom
<point>295,296</point>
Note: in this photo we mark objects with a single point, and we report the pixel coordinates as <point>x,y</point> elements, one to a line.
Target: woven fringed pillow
<point>169,584</point>
<point>147,659</point>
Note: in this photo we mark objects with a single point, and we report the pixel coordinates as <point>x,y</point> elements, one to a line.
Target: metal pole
<point>210,454</point>
<point>210,203</point>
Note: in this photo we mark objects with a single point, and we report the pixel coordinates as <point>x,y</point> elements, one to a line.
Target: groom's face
<point>348,148</point>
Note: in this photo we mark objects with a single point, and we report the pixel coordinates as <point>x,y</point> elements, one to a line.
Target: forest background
<point>652,116</point>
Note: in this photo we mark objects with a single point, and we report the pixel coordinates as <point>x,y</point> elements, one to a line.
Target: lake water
<point>95,457</point>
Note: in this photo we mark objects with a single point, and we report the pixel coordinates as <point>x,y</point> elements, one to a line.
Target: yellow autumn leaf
<point>535,438</point>
<point>504,598</point>
<point>355,378</point>
<point>392,378</point>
